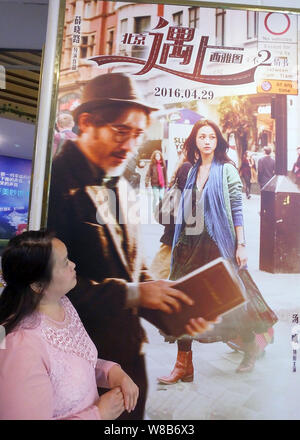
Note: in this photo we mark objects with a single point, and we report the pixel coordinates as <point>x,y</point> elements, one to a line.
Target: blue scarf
<point>215,214</point>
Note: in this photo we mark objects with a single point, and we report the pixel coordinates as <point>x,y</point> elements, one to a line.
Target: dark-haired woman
<point>156,177</point>
<point>210,225</point>
<point>50,368</point>
<point>160,266</point>
<point>245,172</point>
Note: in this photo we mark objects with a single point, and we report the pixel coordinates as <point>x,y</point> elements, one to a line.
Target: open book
<point>215,289</point>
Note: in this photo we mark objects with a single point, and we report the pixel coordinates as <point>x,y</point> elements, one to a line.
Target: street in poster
<point>239,69</point>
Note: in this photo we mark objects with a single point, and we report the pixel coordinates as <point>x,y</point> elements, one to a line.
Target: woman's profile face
<point>206,141</point>
<point>63,273</point>
<point>157,156</point>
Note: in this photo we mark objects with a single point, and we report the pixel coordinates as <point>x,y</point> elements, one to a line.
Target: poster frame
<point>57,64</point>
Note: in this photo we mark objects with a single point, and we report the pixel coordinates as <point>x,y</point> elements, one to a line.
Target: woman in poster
<point>157,177</point>
<point>160,266</point>
<point>213,195</point>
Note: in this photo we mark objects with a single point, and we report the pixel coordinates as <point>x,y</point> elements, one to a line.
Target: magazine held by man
<point>215,289</point>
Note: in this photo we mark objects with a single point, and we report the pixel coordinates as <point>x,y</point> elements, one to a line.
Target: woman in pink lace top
<point>49,368</point>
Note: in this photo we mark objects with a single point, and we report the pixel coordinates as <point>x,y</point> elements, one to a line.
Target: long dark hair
<point>191,150</point>
<point>26,259</point>
<point>182,159</point>
<point>153,160</point>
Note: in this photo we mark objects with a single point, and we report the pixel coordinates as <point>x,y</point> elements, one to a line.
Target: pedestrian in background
<point>160,266</point>
<point>157,177</point>
<point>245,172</point>
<point>130,173</point>
<point>65,124</point>
<point>296,167</point>
<point>265,167</point>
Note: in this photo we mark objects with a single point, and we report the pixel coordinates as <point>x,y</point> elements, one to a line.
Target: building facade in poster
<point>186,43</point>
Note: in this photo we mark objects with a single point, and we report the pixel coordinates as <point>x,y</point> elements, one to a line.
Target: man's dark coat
<point>106,255</point>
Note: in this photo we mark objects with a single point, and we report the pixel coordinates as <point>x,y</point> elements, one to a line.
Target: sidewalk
<point>270,392</point>
<point>281,291</point>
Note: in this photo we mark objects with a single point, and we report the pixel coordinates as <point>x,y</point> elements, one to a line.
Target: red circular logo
<point>288,24</point>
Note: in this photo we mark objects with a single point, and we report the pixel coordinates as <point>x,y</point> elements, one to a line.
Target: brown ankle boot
<point>183,369</point>
<point>249,358</point>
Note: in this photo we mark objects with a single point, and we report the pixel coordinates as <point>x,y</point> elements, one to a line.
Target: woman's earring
<point>37,287</point>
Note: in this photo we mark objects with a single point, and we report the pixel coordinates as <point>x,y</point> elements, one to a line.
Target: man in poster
<point>265,167</point>
<point>101,240</point>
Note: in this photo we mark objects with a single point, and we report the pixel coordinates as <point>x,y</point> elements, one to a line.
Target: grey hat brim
<point>97,103</point>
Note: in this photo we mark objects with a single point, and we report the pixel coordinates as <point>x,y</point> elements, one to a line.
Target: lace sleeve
<point>235,194</point>
<point>26,391</point>
<point>25,387</point>
<point>102,370</point>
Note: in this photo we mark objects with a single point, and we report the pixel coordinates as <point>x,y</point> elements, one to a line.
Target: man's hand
<point>159,295</point>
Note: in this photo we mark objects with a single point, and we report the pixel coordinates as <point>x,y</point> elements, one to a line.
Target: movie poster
<point>238,68</point>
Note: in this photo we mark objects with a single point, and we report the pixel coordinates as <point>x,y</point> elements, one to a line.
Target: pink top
<point>50,370</point>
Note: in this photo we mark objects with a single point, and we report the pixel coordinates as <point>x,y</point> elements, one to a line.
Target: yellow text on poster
<point>278,86</point>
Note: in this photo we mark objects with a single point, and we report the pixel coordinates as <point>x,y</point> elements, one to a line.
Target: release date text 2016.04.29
<point>170,92</point>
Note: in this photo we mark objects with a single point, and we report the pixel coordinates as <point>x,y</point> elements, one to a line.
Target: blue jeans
<point>158,193</point>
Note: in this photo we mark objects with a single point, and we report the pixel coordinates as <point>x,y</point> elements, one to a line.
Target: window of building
<point>220,26</point>
<point>87,46</point>
<point>124,26</point>
<point>87,13</point>
<point>84,47</point>
<point>141,24</point>
<point>194,17</point>
<point>123,30</point>
<point>67,54</point>
<point>110,42</point>
<point>71,11</point>
<point>111,7</point>
<point>91,45</point>
<point>90,7</point>
<point>252,24</point>
<point>178,18</point>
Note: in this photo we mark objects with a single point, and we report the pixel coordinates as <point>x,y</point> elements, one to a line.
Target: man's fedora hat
<point>108,88</point>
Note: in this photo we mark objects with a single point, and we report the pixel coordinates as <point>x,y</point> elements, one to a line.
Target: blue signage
<point>15,177</point>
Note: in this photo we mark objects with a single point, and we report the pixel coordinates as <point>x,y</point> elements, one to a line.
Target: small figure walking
<point>296,167</point>
<point>245,172</point>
